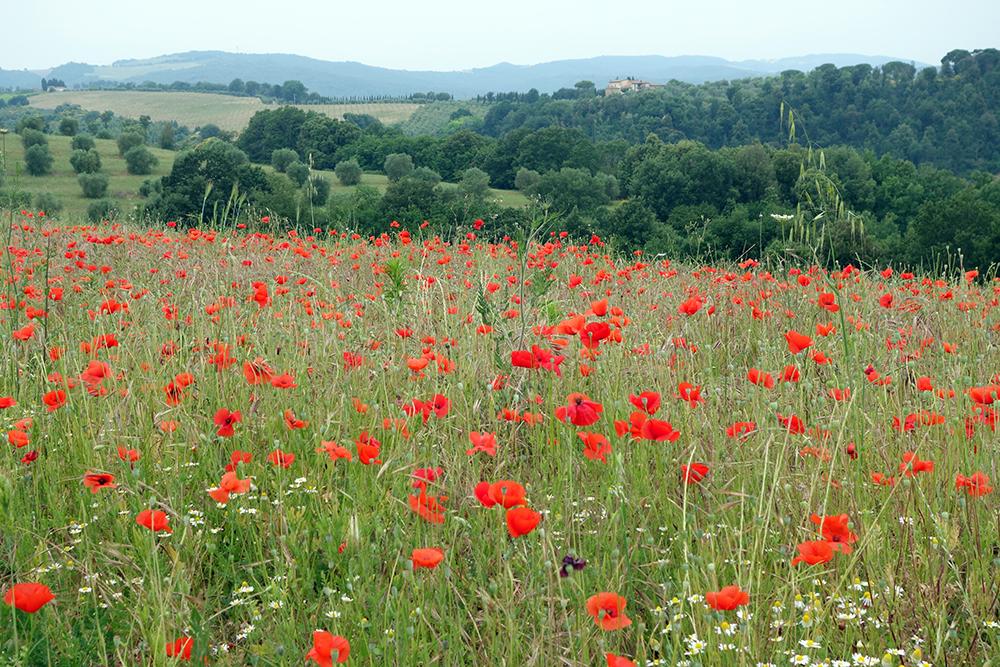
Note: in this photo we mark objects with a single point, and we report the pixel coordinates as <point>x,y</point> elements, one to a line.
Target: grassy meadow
<point>198,109</point>
<point>225,444</point>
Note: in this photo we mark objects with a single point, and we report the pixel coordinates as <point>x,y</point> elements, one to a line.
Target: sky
<point>461,34</point>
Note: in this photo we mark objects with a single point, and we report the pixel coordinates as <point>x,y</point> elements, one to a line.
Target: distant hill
<point>351,79</point>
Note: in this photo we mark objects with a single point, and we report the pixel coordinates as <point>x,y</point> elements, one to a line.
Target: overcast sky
<point>459,34</point>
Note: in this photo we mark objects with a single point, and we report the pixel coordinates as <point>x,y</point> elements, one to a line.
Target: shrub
<point>69,126</point>
<point>94,186</point>
<point>101,210</point>
<point>140,161</point>
<point>475,183</point>
<point>397,166</point>
<point>526,179</point>
<point>31,137</point>
<point>83,142</point>
<point>38,160</point>
<point>319,189</point>
<point>282,157</point>
<point>348,172</point>
<point>85,161</point>
<point>49,203</point>
<point>298,173</point>
<point>128,141</point>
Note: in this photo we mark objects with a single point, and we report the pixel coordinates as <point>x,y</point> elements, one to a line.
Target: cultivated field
<point>251,448</point>
<point>198,109</point>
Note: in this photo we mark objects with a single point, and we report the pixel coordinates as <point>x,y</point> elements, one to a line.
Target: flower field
<point>259,447</point>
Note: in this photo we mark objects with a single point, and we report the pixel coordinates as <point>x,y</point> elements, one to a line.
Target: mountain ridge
<point>356,79</point>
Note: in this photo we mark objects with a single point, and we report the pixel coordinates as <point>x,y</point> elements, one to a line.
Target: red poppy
<point>229,484</point>
<point>977,484</point>
<point>728,599</point>
<point>280,458</point>
<point>429,508</point>
<point>912,465</point>
<point>335,451</point>
<point>95,481</point>
<point>608,611</point>
<point>180,648</point>
<point>580,411</point>
<point>835,530</point>
<point>741,429</point>
<point>522,520</point>
<point>368,449</point>
<point>694,473</point>
<point>690,393</point>
<point>429,558</point>
<point>814,553</point>
<point>257,371</point>
<point>28,597</point>
<point>760,378</point>
<point>328,647</point>
<point>797,342</point>
<point>225,420</point>
<point>618,661</point>
<point>595,446</point>
<point>647,401</point>
<point>154,520</point>
<point>54,400</point>
<point>482,442</point>
<point>284,381</point>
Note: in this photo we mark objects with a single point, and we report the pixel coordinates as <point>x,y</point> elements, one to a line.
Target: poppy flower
<point>280,458</point>
<point>505,493</point>
<point>741,429</point>
<point>760,378</point>
<point>427,507</point>
<point>580,411</point>
<point>54,400</point>
<point>608,611</point>
<point>257,372</point>
<point>229,484</point>
<point>95,481</point>
<point>729,598</point>
<point>797,342</point>
<point>225,420</point>
<point>595,446</point>
<point>593,333</point>
<point>327,647</point>
<point>835,531</point>
<point>154,520</point>
<point>647,401</point>
<point>429,558</point>
<point>912,465</point>
<point>292,422</point>
<point>618,661</point>
<point>694,473</point>
<point>690,393</point>
<point>368,449</point>
<point>335,451</point>
<point>792,424</point>
<point>522,520</point>
<point>977,484</point>
<point>283,381</point>
<point>180,648</point>
<point>482,442</point>
<point>814,553</point>
<point>28,597</point>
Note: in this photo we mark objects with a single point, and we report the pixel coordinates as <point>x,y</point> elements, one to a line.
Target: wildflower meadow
<point>256,446</point>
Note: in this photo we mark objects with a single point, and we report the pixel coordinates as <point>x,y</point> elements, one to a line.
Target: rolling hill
<point>352,79</point>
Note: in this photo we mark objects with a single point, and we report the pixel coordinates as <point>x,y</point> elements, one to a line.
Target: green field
<point>124,187</point>
<point>62,182</point>
<point>198,109</point>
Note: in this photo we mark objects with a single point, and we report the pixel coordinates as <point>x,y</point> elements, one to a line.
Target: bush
<point>425,174</point>
<point>526,179</point>
<point>85,161</point>
<point>128,141</point>
<point>282,157</point>
<point>348,172</point>
<point>320,190</point>
<point>475,183</point>
<point>69,126</point>
<point>397,166</point>
<point>298,173</point>
<point>30,122</point>
<point>94,186</point>
<point>101,210</point>
<point>140,161</point>
<point>38,160</point>
<point>83,142</point>
<point>49,203</point>
<point>31,137</point>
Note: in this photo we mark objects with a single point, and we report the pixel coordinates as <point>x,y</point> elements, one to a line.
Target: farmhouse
<point>629,85</point>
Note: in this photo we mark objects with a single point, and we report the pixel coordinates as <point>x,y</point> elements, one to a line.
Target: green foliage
<point>38,160</point>
<point>297,172</point>
<point>319,190</point>
<point>140,161</point>
<point>47,202</point>
<point>475,183</point>
<point>69,126</point>
<point>572,189</point>
<point>348,172</point>
<point>282,157</point>
<point>129,140</point>
<point>85,161</point>
<point>168,136</point>
<point>30,121</point>
<point>526,179</point>
<point>102,210</point>
<point>83,142</point>
<point>31,137</point>
<point>94,186</point>
<point>397,166</point>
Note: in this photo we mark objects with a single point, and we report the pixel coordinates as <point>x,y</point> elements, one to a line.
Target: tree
<point>32,122</point>
<point>85,161</point>
<point>47,202</point>
<point>319,190</point>
<point>282,157</point>
<point>140,161</point>
<point>102,210</point>
<point>348,172</point>
<point>397,166</point>
<point>526,179</point>
<point>128,141</point>
<point>83,142</point>
<point>38,160</point>
<point>94,186</point>
<point>237,86</point>
<point>269,130</point>
<point>572,189</point>
<point>31,137</point>
<point>167,136</point>
<point>293,91</point>
<point>297,172</point>
<point>632,223</point>
<point>69,126</point>
<point>475,183</point>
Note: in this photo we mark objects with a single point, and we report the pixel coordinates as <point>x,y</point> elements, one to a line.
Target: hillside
<point>198,109</point>
<point>352,79</point>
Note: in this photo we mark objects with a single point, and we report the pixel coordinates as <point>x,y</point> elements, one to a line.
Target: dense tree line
<point>947,117</point>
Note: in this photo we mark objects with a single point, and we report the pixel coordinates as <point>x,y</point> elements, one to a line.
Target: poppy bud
<point>852,451</point>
